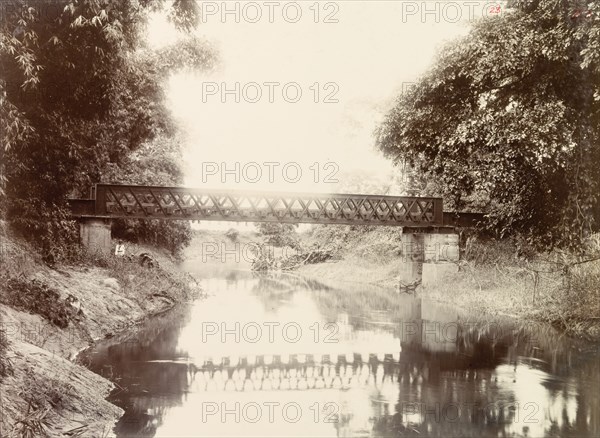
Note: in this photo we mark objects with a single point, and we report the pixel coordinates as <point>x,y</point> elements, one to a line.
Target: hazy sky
<point>363,62</point>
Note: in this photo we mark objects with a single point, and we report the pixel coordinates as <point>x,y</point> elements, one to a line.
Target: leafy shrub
<point>40,393</point>
<point>142,277</point>
<point>264,258</point>
<point>5,365</point>
<point>37,298</point>
<point>34,424</point>
<point>50,227</point>
<point>488,252</point>
<point>278,235</point>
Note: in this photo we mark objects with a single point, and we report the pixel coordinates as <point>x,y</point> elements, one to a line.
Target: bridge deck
<point>178,203</point>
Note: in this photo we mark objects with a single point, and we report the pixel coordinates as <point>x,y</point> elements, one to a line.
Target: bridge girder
<point>178,203</point>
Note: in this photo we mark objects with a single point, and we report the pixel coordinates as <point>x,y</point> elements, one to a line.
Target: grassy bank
<point>49,314</point>
<point>557,288</point>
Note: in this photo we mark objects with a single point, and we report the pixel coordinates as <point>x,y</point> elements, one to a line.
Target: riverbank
<point>490,280</point>
<point>48,315</point>
<point>555,289</point>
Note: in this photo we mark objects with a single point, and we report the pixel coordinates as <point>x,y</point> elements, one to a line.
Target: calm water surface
<point>282,356</point>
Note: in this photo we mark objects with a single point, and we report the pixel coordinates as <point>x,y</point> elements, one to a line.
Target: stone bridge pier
<point>425,257</point>
<point>95,235</point>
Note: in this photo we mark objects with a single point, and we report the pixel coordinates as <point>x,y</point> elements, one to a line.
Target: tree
<point>79,92</point>
<point>508,121</point>
<point>278,234</point>
<point>156,162</point>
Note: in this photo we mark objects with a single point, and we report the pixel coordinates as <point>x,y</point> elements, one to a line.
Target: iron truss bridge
<point>179,203</point>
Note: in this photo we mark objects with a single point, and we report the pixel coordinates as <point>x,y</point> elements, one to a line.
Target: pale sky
<point>374,50</point>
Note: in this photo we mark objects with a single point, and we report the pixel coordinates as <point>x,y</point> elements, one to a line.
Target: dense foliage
<point>508,121</point>
<point>82,101</point>
<point>37,298</point>
<point>275,234</point>
<point>154,163</point>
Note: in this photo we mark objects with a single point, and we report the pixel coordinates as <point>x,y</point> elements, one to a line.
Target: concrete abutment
<point>425,257</point>
<point>95,235</point>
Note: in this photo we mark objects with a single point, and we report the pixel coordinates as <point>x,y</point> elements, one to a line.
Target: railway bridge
<point>422,219</point>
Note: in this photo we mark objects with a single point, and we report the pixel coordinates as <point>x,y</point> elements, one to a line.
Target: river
<point>279,355</point>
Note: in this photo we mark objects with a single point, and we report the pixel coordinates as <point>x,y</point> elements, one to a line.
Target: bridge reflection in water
<point>444,377</point>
